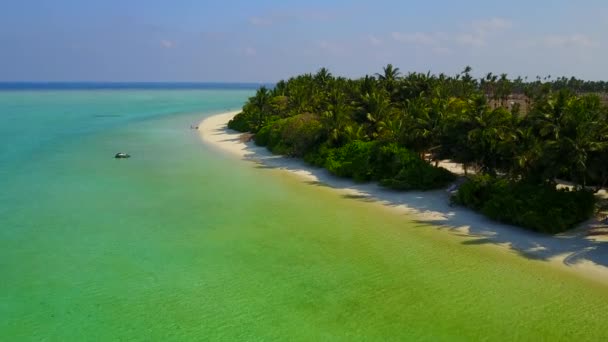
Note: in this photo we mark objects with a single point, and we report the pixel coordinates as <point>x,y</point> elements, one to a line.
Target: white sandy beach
<point>575,251</point>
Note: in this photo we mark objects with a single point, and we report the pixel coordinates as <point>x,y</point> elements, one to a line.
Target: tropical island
<point>515,140</point>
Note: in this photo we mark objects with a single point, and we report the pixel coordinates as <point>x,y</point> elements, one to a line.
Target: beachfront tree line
<point>518,136</point>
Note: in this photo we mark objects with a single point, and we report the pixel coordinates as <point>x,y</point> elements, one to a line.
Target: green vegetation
<point>519,137</point>
<point>538,207</point>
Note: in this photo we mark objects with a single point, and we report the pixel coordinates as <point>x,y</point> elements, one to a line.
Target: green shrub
<point>419,175</point>
<point>395,167</point>
<point>389,160</point>
<point>398,168</point>
<point>294,136</point>
<point>269,135</point>
<point>318,156</point>
<point>301,133</point>
<point>539,207</point>
<point>475,192</point>
<point>240,122</point>
<point>351,160</point>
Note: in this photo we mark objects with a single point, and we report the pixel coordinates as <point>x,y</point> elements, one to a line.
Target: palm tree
<point>260,103</point>
<point>425,122</point>
<point>584,132</point>
<point>280,89</point>
<point>505,88</point>
<point>335,117</point>
<point>390,74</point>
<point>548,112</point>
<point>487,85</point>
<point>571,130</point>
<point>368,85</point>
<point>492,138</point>
<point>528,152</point>
<point>388,79</point>
<point>323,77</point>
<point>373,110</point>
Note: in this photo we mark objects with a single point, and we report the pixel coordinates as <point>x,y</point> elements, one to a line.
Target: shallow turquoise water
<point>181,242</point>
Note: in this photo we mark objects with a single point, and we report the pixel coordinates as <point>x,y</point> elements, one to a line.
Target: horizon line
<point>123,85</point>
<point>134,82</point>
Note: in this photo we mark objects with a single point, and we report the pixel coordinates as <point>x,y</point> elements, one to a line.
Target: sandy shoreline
<point>574,251</point>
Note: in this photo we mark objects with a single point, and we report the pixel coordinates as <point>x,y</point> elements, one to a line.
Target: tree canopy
<point>509,129</point>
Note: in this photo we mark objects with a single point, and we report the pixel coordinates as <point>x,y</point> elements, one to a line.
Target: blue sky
<point>264,41</point>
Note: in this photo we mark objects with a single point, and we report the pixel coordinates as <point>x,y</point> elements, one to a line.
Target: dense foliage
<point>394,128</point>
<point>540,207</point>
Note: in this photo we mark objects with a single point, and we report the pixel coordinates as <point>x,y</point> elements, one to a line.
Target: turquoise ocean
<point>181,242</point>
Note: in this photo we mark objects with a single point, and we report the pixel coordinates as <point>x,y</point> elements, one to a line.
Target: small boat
<point>121,155</point>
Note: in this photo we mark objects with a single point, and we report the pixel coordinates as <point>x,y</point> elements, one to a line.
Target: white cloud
<point>435,41</point>
<point>489,25</point>
<point>373,40</point>
<point>571,40</point>
<point>475,35</point>
<point>481,29</point>
<point>470,39</point>
<point>167,44</point>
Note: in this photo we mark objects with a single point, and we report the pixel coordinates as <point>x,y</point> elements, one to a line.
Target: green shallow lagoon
<point>182,242</point>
